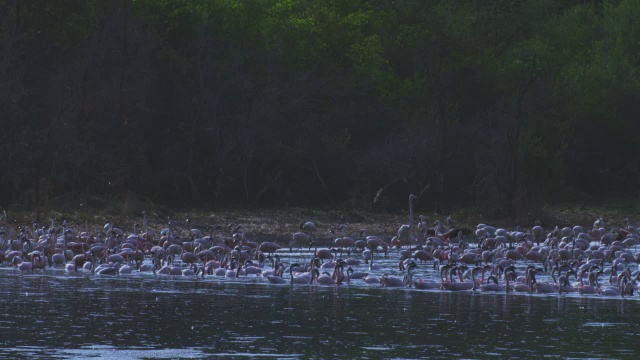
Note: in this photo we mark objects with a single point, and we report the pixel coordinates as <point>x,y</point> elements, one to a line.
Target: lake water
<point>52,314</point>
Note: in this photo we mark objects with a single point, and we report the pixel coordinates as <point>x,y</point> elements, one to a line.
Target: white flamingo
<point>404,232</point>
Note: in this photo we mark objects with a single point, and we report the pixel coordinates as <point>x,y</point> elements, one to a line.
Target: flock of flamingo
<point>597,260</point>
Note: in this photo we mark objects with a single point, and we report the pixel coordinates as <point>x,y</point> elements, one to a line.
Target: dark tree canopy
<point>501,104</point>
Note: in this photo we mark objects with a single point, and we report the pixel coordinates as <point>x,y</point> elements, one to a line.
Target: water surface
<point>52,314</point>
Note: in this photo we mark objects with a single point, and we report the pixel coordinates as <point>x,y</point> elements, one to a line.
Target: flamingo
<point>189,258</point>
<point>326,279</point>
<point>422,255</point>
<point>588,288</point>
<point>125,269</point>
<point>309,227</point>
<point>563,282</point>
<point>231,273</point>
<point>251,269</point>
<point>343,241</point>
<point>108,269</point>
<point>78,261</point>
<point>404,232</point>
<point>625,284</point>
<point>298,238</point>
<point>518,286</point>
<point>323,254</point>
<point>38,260</point>
<point>492,286</point>
<point>538,233</point>
<point>599,223</point>
<point>275,267</point>
<point>22,265</point>
<point>371,279</point>
<point>192,270</point>
<point>268,247</point>
<point>169,269</point>
<point>455,286</point>
<point>542,288</point>
<point>609,291</point>
<point>146,267</point>
<point>276,276</point>
<point>273,279</point>
<point>391,281</point>
<point>360,243</point>
<point>423,284</point>
<point>408,277</point>
<point>483,287</point>
<point>334,279</point>
<point>304,278</point>
<point>358,275</point>
<point>351,262</point>
<point>373,242</point>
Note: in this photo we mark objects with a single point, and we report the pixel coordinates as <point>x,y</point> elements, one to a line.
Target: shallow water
<point>53,314</point>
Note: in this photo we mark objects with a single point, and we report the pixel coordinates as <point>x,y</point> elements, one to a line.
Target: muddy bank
<point>277,225</point>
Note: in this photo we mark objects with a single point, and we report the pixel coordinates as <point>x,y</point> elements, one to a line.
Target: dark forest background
<point>505,105</point>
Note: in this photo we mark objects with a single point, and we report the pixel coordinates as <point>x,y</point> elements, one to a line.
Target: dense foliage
<point>503,104</point>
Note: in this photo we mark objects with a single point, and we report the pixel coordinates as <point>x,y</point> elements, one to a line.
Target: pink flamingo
<point>22,265</point>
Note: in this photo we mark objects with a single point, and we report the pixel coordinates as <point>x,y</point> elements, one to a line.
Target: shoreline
<point>277,225</point>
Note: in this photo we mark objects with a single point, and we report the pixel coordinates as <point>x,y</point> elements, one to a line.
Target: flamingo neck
<point>506,283</point>
<point>473,279</point>
<point>410,214</point>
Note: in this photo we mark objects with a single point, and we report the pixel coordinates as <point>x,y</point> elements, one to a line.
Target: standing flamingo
<point>298,238</point>
<point>268,247</point>
<point>404,232</point>
<point>309,227</point>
